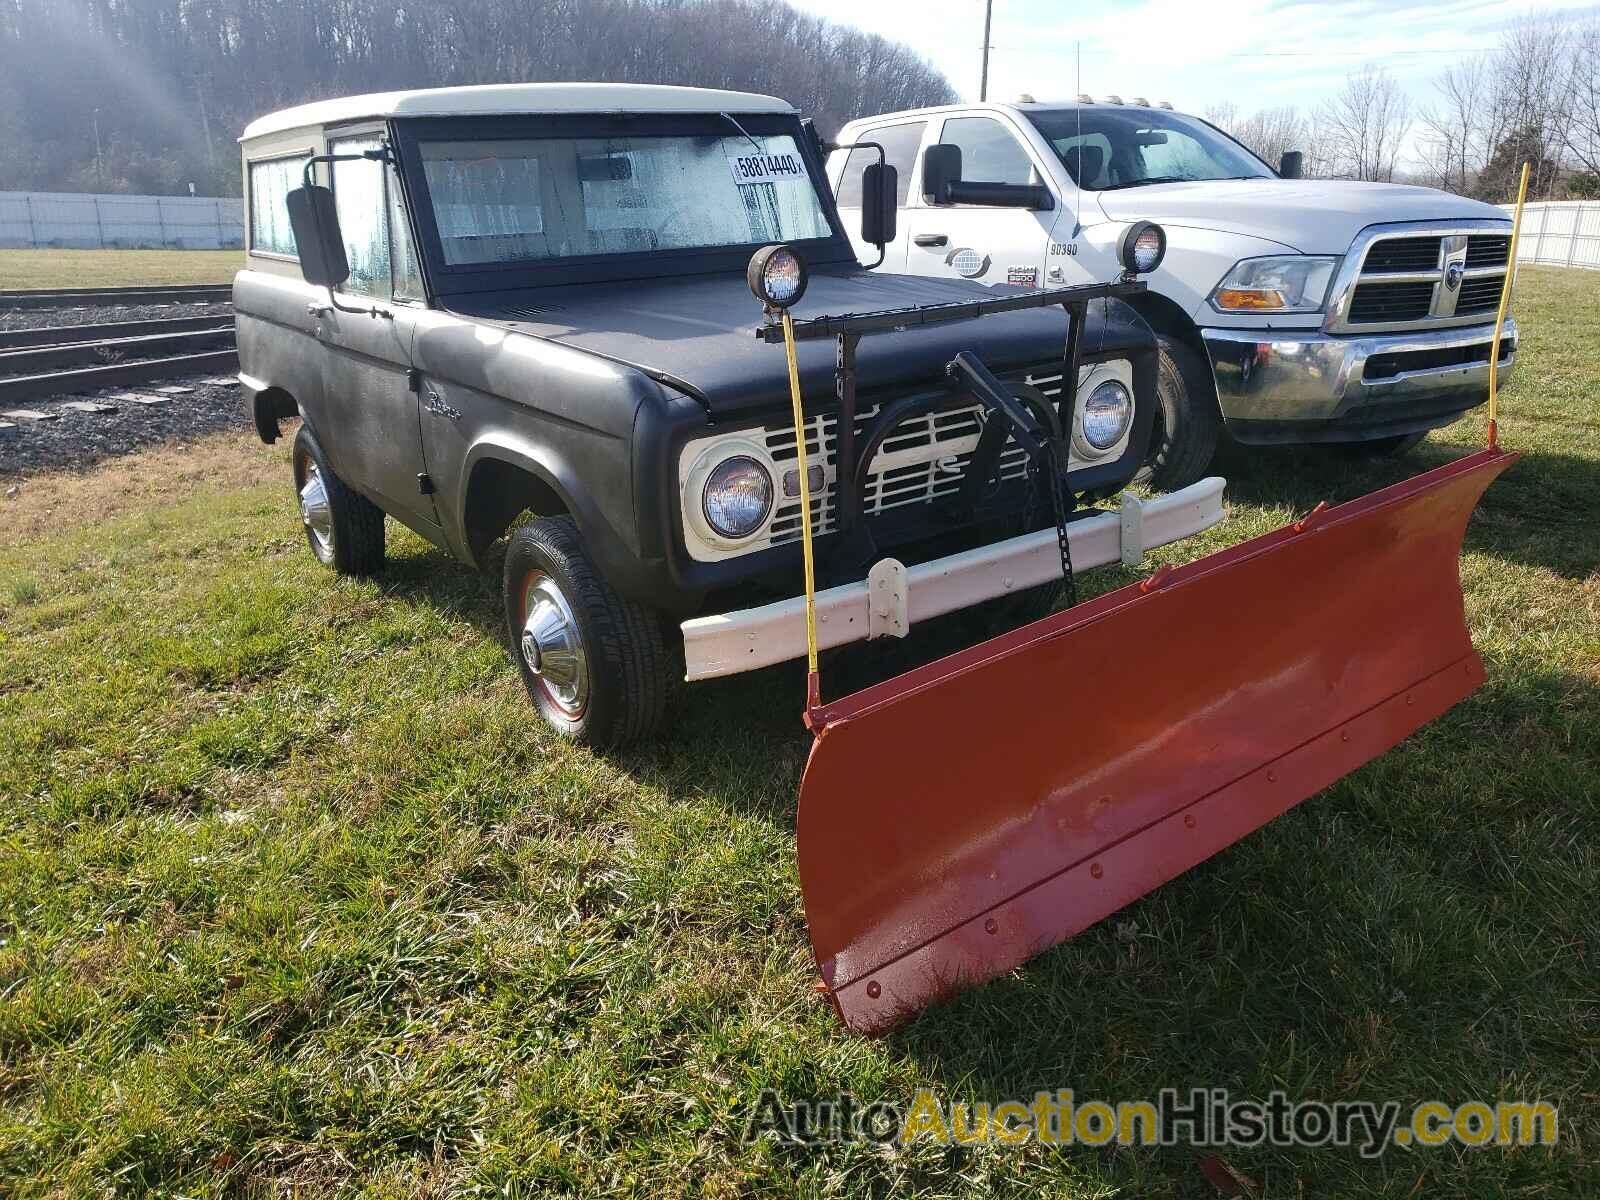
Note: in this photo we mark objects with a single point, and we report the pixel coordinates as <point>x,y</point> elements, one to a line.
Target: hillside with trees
<point>149,95</point>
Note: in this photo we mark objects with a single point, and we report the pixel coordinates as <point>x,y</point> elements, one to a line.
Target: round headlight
<point>1106,414</point>
<point>777,276</point>
<point>1144,245</point>
<point>737,497</point>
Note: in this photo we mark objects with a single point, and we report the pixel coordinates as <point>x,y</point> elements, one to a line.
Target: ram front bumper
<point>1292,386</point>
<point>894,597</point>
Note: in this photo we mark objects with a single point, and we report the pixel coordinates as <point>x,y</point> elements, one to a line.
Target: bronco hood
<point>1313,216</point>
<point>697,334</point>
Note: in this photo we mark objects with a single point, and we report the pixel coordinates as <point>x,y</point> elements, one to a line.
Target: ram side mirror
<point>942,184</point>
<point>1292,164</point>
<point>880,186</point>
<point>317,236</point>
<point>941,169</point>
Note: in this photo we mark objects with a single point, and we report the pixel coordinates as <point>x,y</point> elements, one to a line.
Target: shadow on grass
<point>1543,512</point>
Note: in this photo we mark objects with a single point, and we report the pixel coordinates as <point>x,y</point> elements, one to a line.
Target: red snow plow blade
<point>965,816</point>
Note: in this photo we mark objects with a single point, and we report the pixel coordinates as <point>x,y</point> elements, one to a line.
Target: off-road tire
<point>1184,436</point>
<point>632,672</point>
<point>357,523</point>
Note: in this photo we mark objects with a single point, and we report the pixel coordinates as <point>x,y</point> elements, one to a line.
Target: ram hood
<point>697,334</point>
<point>1313,216</point>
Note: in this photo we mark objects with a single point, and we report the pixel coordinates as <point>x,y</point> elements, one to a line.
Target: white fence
<point>82,220</point>
<point>1564,233</point>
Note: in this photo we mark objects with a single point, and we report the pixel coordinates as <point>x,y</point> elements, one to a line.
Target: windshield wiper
<point>1133,183</point>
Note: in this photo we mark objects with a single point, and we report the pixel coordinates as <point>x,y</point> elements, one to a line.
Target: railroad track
<point>144,370</point>
<point>61,335</point>
<point>200,293</point>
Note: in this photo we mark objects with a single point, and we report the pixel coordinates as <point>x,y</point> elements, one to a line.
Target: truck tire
<point>343,528</point>
<point>1184,436</point>
<point>596,665</point>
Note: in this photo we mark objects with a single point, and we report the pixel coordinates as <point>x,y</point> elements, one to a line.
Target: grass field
<point>295,895</point>
<point>109,268</point>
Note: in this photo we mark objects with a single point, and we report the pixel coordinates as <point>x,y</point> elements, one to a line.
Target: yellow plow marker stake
<point>1500,317</point>
<point>813,686</point>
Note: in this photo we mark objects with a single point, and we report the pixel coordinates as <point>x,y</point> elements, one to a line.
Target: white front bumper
<point>728,643</point>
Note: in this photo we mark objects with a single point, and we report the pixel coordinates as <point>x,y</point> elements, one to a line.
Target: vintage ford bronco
<point>1289,310</point>
<point>494,301</point>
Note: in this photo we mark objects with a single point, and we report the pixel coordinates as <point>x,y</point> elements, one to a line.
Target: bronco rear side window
<point>270,183</point>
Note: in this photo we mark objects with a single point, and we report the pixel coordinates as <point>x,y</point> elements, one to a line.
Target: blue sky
<point>1252,53</point>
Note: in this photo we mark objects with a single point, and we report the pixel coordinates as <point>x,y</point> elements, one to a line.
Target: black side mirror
<point>941,168</point>
<point>1292,164</point>
<point>942,184</point>
<point>880,186</point>
<point>317,236</point>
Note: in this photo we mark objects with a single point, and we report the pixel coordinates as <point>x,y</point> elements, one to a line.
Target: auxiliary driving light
<point>777,276</point>
<point>737,496</point>
<point>1144,245</point>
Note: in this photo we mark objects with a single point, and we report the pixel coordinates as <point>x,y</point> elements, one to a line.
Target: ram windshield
<point>1109,148</point>
<point>536,199</point>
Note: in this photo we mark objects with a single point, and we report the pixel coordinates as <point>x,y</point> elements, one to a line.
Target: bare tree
<point>1362,128</point>
<point>1583,126</point>
<point>1531,94</point>
<point>1268,132</point>
<point>1461,127</point>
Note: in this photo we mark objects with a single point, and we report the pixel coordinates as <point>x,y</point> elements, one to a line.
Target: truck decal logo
<point>1023,276</point>
<point>967,262</point>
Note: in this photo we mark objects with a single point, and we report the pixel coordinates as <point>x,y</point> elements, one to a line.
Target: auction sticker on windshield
<point>751,169</point>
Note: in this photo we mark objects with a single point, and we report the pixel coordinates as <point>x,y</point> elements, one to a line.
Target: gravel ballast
<point>47,318</point>
<point>75,439</point>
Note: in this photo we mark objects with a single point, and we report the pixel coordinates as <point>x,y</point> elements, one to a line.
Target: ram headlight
<point>777,276</point>
<point>737,497</point>
<point>1107,413</point>
<point>1291,283</point>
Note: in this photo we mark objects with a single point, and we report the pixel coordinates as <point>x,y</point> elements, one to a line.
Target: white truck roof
<point>500,98</point>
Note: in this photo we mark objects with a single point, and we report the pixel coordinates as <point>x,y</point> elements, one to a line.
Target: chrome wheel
<point>552,645</point>
<point>316,513</point>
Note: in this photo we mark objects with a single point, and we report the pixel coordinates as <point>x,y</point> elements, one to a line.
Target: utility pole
<point>99,159</point>
<point>983,84</point>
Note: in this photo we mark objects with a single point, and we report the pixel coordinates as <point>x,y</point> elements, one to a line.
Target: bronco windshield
<point>535,199</point>
<point>1108,148</point>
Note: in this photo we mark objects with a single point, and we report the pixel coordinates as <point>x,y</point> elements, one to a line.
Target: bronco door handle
<point>931,239</point>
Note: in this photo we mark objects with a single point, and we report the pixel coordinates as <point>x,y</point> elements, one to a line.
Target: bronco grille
<point>1420,279</point>
<point>923,461</point>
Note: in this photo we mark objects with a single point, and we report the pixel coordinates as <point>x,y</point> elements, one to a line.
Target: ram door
<point>985,244</point>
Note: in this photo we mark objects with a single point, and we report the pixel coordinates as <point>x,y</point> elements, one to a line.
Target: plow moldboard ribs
<point>1091,756</point>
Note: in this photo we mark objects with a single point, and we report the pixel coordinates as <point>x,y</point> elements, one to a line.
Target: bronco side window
<point>362,203</point>
<point>270,181</point>
<point>407,275</point>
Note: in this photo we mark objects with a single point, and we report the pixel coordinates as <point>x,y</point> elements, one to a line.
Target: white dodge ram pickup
<point>1288,310</point>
